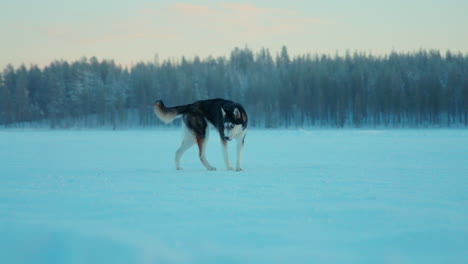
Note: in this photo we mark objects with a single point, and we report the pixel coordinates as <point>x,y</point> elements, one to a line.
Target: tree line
<point>418,89</point>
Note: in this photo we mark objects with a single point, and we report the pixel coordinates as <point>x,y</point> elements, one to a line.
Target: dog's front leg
<point>227,161</point>
<point>240,147</point>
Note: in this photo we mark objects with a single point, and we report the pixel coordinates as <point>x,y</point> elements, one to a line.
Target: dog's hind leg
<point>187,142</point>
<point>198,125</point>
<point>201,142</point>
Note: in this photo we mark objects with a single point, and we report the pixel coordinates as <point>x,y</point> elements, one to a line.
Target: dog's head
<point>234,121</point>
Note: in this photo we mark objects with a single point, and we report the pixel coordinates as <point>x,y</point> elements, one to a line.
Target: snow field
<point>306,196</point>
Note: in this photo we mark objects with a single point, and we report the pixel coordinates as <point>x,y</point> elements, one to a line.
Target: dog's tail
<point>168,114</point>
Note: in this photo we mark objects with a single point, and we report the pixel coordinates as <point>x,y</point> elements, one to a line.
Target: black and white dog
<point>227,117</point>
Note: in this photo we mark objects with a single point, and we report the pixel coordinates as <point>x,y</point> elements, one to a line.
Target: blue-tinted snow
<point>306,196</point>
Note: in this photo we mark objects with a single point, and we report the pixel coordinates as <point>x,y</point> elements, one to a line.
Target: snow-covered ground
<point>306,196</point>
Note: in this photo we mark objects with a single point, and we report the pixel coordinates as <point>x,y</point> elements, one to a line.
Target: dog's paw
<point>239,169</point>
<point>211,168</point>
<point>179,168</point>
<point>230,168</point>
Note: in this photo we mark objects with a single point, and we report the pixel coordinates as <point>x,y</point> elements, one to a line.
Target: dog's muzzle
<point>227,138</point>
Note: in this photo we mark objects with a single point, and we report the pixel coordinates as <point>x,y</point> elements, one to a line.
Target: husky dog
<point>227,117</point>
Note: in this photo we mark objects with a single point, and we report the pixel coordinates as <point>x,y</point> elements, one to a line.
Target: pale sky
<point>39,32</point>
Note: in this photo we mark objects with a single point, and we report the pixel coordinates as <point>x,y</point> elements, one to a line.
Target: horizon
<point>177,60</point>
<point>130,33</point>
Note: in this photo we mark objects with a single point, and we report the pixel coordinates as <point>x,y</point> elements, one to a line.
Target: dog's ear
<point>222,111</point>
<point>236,113</point>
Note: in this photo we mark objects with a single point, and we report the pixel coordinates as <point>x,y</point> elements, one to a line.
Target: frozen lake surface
<point>306,196</point>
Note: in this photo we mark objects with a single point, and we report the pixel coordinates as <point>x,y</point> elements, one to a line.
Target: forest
<point>416,89</point>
